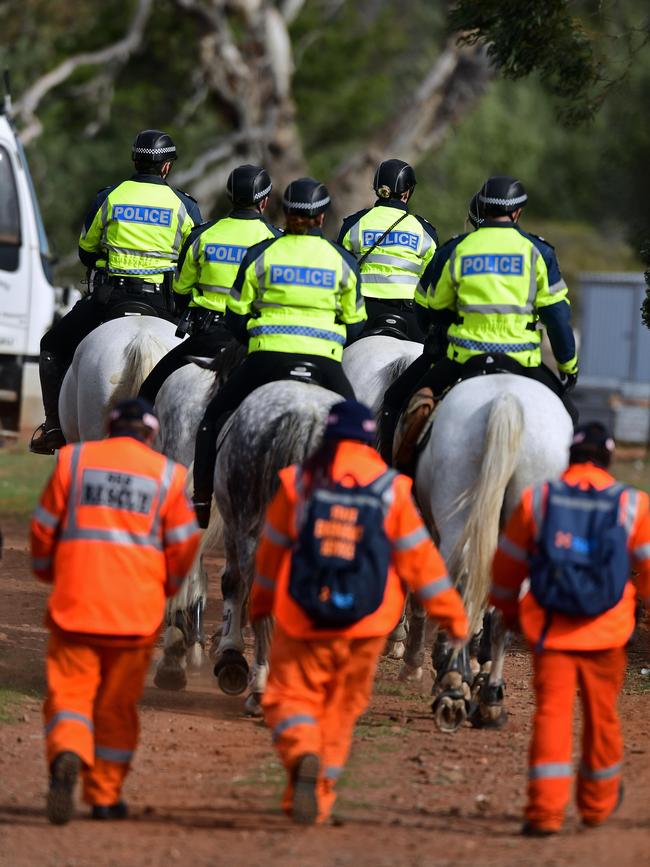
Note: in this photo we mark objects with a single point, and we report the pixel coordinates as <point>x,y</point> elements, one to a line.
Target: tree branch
<point>117,52</point>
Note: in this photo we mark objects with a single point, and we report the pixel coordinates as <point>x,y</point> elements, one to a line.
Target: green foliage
<point>536,36</point>
<point>22,478</point>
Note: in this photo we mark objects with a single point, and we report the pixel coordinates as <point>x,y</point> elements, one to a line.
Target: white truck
<point>27,296</point>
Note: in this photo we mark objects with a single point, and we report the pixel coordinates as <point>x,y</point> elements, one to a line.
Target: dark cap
<point>133,409</point>
<point>351,420</point>
<point>153,146</point>
<point>591,442</point>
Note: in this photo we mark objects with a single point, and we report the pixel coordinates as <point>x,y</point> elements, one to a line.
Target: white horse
<point>373,363</point>
<point>110,364</point>
<point>491,437</point>
<point>278,424</point>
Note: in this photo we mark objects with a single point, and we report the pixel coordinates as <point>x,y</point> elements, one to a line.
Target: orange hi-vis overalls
<point>320,680</point>
<point>115,534</point>
<point>588,652</point>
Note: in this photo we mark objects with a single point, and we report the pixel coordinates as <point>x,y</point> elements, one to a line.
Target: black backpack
<point>342,554</point>
<point>582,563</point>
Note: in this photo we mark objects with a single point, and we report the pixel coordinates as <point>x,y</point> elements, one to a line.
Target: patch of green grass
<point>22,478</point>
<point>633,472</point>
<point>11,702</point>
<point>636,683</point>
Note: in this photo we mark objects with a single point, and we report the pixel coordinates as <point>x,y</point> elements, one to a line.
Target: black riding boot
<point>386,432</point>
<point>49,435</point>
<point>205,457</point>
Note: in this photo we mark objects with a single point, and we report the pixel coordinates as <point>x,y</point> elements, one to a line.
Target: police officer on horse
<point>131,238</point>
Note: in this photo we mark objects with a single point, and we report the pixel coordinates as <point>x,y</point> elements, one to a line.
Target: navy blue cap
<point>351,420</point>
<point>134,409</point>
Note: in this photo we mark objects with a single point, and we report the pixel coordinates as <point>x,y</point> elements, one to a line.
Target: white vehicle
<point>27,295</point>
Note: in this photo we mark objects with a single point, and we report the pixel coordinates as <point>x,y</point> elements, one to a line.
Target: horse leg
<point>183,636</point>
<point>263,629</point>
<point>413,663</point>
<point>231,668</point>
<point>452,689</point>
<point>489,687</point>
<point>396,641</point>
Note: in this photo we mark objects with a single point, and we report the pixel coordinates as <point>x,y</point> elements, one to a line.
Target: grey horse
<point>277,425</point>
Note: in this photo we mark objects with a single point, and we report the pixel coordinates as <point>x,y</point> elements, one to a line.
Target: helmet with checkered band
<point>500,196</point>
<point>153,147</point>
<point>393,178</point>
<point>247,185</point>
<point>306,197</point>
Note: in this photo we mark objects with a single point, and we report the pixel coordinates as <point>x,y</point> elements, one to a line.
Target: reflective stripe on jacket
<point>394,267</point>
<point>139,229</point>
<point>116,534</point>
<point>495,280</point>
<point>300,292</point>
<point>415,563</point>
<point>212,254</point>
<point>517,543</point>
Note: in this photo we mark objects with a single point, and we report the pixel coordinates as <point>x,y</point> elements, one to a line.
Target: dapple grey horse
<point>110,364</point>
<point>491,437</point>
<point>277,425</point>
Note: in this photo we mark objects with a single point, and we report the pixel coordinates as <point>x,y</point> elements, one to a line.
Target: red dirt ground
<point>205,786</point>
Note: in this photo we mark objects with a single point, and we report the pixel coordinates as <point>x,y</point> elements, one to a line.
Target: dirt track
<point>205,786</point>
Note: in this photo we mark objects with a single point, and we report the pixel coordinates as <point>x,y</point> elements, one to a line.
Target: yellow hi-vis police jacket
<point>299,292</point>
<point>137,228</point>
<point>393,269</point>
<point>499,281</point>
<point>211,256</point>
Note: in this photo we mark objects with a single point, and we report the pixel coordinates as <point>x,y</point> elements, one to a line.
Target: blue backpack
<point>341,556</point>
<point>582,563</point>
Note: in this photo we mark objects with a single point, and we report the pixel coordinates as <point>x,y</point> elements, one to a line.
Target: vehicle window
<point>9,215</point>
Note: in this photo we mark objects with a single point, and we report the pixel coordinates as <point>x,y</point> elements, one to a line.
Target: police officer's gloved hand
<point>435,343</point>
<point>569,381</point>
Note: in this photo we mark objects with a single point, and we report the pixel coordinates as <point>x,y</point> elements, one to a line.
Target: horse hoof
<point>253,704</point>
<point>489,717</point>
<point>170,674</point>
<point>449,713</point>
<point>194,658</point>
<point>231,672</point>
<point>394,649</point>
<point>411,673</point>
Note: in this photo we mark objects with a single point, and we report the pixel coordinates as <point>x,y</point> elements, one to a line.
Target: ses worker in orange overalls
<point>585,651</point>
<point>341,509</point>
<point>115,534</point>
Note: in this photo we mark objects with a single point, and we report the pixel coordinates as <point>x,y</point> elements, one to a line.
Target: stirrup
<point>202,512</point>
<point>45,442</point>
<point>409,428</point>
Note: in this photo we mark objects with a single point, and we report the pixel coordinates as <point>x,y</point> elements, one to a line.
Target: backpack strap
<point>382,487</point>
<point>628,508</point>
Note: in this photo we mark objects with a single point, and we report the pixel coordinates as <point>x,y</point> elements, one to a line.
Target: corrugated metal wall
<point>615,348</point>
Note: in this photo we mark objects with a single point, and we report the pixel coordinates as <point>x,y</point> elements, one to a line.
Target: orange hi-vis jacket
<point>610,629</point>
<point>415,561</point>
<point>115,533</point>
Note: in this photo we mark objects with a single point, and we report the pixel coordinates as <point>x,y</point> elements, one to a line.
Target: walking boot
<point>305,802</point>
<point>205,458</point>
<point>103,812</point>
<point>409,429</point>
<point>48,437</point>
<point>64,771</point>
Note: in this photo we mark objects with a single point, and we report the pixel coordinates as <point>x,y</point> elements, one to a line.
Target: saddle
<point>414,426</point>
<point>387,325</point>
<point>130,307</point>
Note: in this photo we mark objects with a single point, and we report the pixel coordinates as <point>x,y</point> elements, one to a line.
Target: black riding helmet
<point>247,185</point>
<point>307,197</point>
<point>392,178</point>
<point>500,196</point>
<point>153,146</point>
<point>473,212</point>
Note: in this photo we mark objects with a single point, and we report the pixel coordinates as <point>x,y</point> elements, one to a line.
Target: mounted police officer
<point>296,300</point>
<point>131,238</point>
<point>207,267</point>
<point>392,246</point>
<point>483,295</point>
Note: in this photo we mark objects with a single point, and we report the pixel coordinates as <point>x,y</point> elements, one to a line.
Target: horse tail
<point>471,558</point>
<point>141,355</point>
